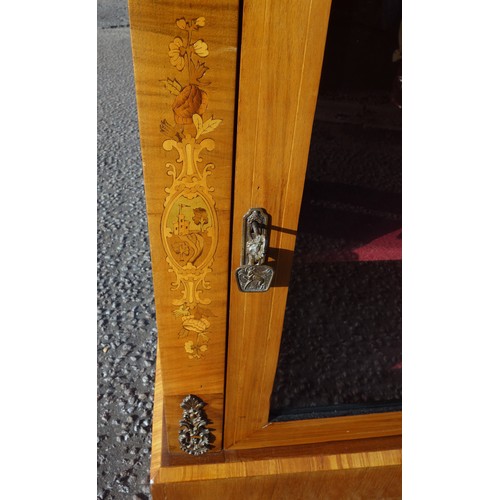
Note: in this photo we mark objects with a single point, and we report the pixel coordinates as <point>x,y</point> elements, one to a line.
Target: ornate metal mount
<point>194,437</point>
<point>254,275</point>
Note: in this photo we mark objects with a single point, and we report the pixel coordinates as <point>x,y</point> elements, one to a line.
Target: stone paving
<point>126,329</point>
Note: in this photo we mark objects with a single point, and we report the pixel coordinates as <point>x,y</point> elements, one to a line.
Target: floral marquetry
<point>185,67</point>
<point>189,225</point>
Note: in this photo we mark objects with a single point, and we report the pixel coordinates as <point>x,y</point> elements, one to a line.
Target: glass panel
<point>341,346</point>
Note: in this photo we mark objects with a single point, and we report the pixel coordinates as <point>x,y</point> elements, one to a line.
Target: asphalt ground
<point>126,326</point>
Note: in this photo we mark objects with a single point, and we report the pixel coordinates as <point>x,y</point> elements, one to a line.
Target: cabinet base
<point>349,469</point>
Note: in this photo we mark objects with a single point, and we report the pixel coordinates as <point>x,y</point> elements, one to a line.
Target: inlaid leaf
<point>167,129</point>
<point>183,333</point>
<point>206,127</point>
<point>199,70</point>
<point>198,123</point>
<point>173,86</point>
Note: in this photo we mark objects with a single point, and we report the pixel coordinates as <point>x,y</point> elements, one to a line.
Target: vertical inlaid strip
<point>185,75</point>
<point>189,225</point>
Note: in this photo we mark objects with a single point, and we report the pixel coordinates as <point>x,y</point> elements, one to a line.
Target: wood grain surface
<point>184,58</point>
<point>280,66</point>
<point>382,483</point>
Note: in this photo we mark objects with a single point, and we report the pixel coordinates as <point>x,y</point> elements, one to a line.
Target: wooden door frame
<point>280,66</point>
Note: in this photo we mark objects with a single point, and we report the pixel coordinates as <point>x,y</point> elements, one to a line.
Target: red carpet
<point>387,247</point>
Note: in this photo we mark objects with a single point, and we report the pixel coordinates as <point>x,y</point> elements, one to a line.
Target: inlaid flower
<point>200,48</point>
<point>187,53</point>
<point>200,22</point>
<point>181,23</point>
<point>195,325</point>
<point>177,53</point>
<point>195,350</point>
<point>191,100</point>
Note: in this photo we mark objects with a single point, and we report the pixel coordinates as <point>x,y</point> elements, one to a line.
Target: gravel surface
<point>126,339</point>
<point>112,13</point>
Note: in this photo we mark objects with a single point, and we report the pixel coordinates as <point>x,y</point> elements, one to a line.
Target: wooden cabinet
<point>226,96</point>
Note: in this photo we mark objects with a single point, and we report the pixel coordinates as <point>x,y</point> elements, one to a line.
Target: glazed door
<point>333,240</point>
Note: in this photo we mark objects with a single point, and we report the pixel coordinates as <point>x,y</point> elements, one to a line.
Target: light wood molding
<point>185,75</point>
<point>283,465</point>
<point>322,430</point>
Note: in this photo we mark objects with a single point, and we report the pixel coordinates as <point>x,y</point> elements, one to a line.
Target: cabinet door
<point>282,51</point>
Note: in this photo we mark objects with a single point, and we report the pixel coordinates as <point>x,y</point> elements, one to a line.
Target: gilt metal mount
<point>194,436</point>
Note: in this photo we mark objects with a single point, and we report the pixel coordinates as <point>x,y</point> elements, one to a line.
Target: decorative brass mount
<point>194,437</point>
<point>254,275</point>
